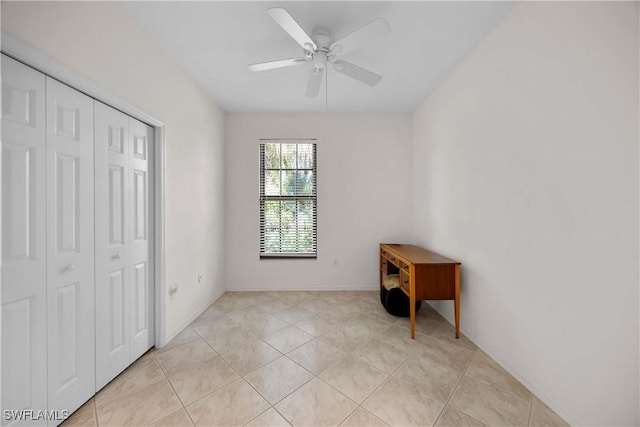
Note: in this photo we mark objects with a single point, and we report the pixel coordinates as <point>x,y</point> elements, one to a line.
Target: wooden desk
<point>424,275</point>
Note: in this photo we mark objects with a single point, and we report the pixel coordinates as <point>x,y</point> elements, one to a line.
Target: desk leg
<point>457,301</point>
<point>412,305</point>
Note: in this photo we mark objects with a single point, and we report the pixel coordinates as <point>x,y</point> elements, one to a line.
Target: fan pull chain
<point>326,90</point>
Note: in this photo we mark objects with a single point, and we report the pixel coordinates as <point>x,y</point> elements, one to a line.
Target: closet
<point>77,243</point>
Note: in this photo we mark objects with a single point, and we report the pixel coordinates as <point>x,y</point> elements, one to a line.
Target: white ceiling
<point>214,41</point>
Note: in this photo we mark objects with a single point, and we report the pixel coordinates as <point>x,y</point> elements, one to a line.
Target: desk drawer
<point>393,258</point>
<point>383,263</point>
<point>387,267</point>
<point>404,265</point>
<point>405,282</point>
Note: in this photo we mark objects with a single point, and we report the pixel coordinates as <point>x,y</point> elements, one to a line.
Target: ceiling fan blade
<point>315,80</point>
<point>371,31</point>
<point>276,64</point>
<point>358,73</point>
<point>286,21</point>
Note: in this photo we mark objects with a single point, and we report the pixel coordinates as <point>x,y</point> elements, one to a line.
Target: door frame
<point>27,54</point>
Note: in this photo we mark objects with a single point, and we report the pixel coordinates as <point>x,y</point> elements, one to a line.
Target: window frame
<point>263,198</point>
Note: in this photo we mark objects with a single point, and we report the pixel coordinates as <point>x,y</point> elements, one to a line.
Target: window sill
<point>288,256</point>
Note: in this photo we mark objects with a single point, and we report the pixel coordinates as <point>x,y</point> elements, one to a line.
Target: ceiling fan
<point>320,49</point>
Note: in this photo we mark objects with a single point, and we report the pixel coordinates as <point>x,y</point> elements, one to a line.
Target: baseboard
<point>536,392</point>
<point>314,288</point>
<point>193,317</point>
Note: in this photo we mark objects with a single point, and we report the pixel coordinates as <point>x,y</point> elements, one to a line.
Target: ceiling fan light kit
<point>320,49</point>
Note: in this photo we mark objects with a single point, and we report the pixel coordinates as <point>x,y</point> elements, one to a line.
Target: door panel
<point>17,355</point>
<point>113,219</point>
<point>116,202</point>
<point>23,293</point>
<point>140,305</point>
<point>140,145</point>
<point>67,340</point>
<point>67,169</point>
<point>117,312</point>
<point>70,247</point>
<point>67,121</point>
<point>142,331</point>
<point>18,172</point>
<point>20,100</point>
<point>140,216</point>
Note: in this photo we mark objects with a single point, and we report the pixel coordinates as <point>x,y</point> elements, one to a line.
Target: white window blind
<point>288,199</point>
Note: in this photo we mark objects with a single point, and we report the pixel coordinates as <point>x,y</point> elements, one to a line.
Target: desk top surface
<point>418,255</point>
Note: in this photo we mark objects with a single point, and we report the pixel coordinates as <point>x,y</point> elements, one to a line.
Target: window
<point>288,199</point>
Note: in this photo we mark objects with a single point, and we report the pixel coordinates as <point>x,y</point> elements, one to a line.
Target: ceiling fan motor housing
<point>322,38</point>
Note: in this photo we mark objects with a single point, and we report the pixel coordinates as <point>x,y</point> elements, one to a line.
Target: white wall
<point>363,198</point>
<point>100,41</point>
<point>525,168</point>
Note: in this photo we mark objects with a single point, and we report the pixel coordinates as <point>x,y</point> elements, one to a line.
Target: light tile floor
<point>314,359</point>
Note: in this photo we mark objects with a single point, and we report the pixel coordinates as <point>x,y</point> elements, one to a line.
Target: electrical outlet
<point>173,290</point>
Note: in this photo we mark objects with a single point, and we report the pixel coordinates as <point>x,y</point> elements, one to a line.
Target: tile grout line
<point>129,391</point>
<point>95,411</point>
<point>453,392</point>
<point>213,391</point>
<point>282,415</point>
<point>257,415</point>
<point>338,391</point>
<point>264,397</point>
<point>378,387</point>
<point>171,384</point>
<point>530,411</point>
<point>301,385</point>
<point>496,387</point>
<point>242,377</point>
<point>389,376</point>
<point>314,376</point>
<point>348,414</point>
<point>184,408</point>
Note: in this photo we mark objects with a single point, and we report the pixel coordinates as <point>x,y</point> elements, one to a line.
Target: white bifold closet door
<point>70,247</point>
<point>124,298</point>
<point>77,242</point>
<point>141,260</point>
<point>24,262</point>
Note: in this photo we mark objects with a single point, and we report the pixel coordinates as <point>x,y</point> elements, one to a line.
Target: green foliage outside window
<point>288,198</point>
